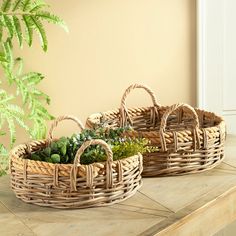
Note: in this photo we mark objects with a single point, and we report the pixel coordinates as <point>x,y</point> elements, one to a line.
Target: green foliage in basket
<point>64,149</point>
<point>24,106</point>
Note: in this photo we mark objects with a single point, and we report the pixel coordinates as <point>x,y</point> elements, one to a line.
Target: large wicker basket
<point>189,140</point>
<point>73,185</point>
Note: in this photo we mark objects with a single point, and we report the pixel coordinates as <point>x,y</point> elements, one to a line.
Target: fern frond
<point>12,129</point>
<point>16,5</point>
<point>3,151</point>
<point>32,97</point>
<point>6,5</point>
<point>2,133</point>
<point>3,160</point>
<point>32,78</point>
<point>18,31</point>
<point>28,29</point>
<point>9,25</point>
<point>38,6</point>
<point>15,110</point>
<point>2,57</point>
<point>9,114</point>
<point>6,99</point>
<point>26,5</point>
<point>20,19</point>
<point>28,14</point>
<point>20,121</point>
<point>8,56</point>
<point>1,32</point>
<point>52,19</point>
<point>41,31</point>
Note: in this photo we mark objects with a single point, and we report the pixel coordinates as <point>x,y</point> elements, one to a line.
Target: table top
<point>198,204</point>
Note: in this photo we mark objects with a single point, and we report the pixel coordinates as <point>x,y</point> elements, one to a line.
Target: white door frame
<point>200,55</point>
<point>211,60</point>
<point>210,54</point>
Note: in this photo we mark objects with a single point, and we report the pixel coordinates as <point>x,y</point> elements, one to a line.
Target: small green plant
<point>64,149</point>
<point>19,21</point>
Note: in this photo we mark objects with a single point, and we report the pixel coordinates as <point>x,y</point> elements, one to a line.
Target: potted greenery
<point>63,150</point>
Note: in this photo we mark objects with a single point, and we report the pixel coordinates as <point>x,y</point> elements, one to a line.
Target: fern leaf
<point>38,6</point>
<point>9,41</point>
<point>3,160</point>
<point>41,31</point>
<point>18,31</point>
<point>6,100</point>
<point>16,16</point>
<point>3,150</point>
<point>10,113</point>
<point>2,133</point>
<point>26,97</point>
<point>31,75</point>
<point>1,32</point>
<point>29,29</point>
<point>48,101</point>
<point>16,5</point>
<point>8,118</point>
<point>39,129</point>
<point>9,25</point>
<point>32,78</point>
<point>2,92</point>
<point>36,92</point>
<point>26,5</point>
<point>12,130</point>
<point>21,123</point>
<point>52,19</point>
<point>43,113</point>
<point>23,91</point>
<point>2,57</point>
<point>8,55</point>
<point>6,5</point>
<point>46,98</point>
<point>16,110</point>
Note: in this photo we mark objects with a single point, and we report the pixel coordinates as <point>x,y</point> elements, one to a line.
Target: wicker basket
<point>189,140</point>
<point>73,185</point>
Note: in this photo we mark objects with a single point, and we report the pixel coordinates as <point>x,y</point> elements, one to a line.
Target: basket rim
<point>13,155</point>
<point>93,118</point>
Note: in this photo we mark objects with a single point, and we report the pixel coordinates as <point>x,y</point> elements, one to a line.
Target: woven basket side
<point>73,186</point>
<point>58,195</point>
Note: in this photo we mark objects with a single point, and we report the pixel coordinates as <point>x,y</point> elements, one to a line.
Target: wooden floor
<point>199,204</point>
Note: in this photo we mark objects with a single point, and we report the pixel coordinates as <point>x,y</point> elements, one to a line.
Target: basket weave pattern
<point>73,185</point>
<point>189,140</point>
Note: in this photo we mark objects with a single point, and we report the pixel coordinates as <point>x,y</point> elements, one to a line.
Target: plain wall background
<point>112,44</point>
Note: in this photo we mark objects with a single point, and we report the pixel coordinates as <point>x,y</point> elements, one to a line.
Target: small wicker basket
<point>189,140</point>
<point>73,185</point>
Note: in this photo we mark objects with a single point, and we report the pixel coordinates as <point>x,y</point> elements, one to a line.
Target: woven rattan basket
<point>189,140</point>
<point>73,185</point>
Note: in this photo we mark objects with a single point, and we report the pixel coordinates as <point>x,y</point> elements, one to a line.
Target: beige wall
<point>112,44</point>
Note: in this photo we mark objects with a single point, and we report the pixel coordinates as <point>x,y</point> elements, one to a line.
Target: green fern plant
<point>19,21</point>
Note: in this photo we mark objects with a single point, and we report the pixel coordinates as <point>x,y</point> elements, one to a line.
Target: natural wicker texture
<point>61,118</point>
<point>189,140</point>
<point>73,185</point>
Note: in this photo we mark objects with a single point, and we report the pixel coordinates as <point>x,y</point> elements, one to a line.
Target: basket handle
<point>61,118</point>
<point>164,122</point>
<point>89,168</point>
<point>93,142</point>
<point>124,115</point>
